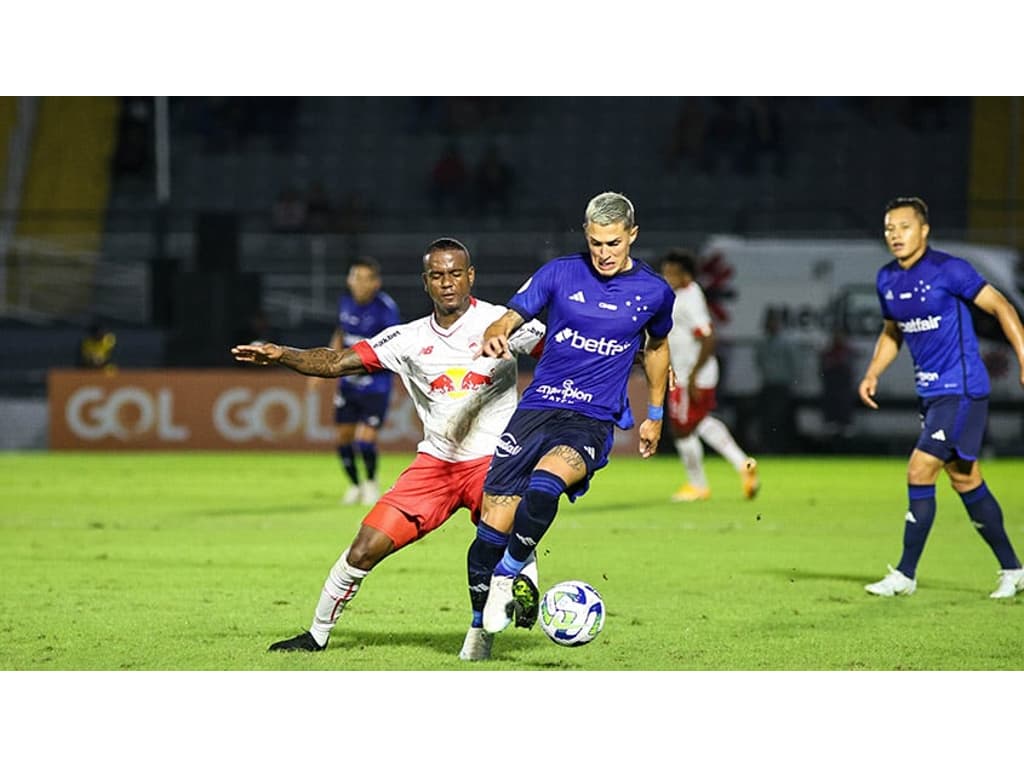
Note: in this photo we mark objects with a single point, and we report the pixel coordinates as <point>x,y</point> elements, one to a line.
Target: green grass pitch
<point>200,561</point>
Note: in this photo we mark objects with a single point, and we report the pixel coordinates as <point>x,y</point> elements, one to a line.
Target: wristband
<point>655,412</point>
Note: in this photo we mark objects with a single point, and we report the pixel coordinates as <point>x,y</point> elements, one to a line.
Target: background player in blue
<point>602,308</point>
<point>361,402</point>
<point>924,295</point>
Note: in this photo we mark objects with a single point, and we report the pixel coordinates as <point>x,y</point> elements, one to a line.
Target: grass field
<point>199,561</point>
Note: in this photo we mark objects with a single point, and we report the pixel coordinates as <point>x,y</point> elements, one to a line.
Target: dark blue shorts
<point>952,425</point>
<point>352,406</point>
<point>529,435</point>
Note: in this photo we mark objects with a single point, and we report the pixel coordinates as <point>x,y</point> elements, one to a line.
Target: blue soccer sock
<point>534,515</point>
<point>348,462</point>
<point>484,554</point>
<point>369,454</point>
<point>987,517</point>
<point>920,516</point>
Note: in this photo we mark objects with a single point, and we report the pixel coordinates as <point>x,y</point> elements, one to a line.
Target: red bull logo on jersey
<point>459,382</point>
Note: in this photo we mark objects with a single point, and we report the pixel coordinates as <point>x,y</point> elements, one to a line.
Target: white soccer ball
<point>572,613</point>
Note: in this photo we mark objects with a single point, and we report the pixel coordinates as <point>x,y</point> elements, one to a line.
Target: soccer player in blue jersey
<point>603,307</point>
<point>361,402</point>
<point>924,295</point>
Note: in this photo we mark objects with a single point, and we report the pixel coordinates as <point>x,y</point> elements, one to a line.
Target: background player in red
<point>691,344</point>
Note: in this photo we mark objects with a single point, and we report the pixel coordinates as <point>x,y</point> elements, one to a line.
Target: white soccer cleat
<point>1011,581</point>
<point>369,492</point>
<point>498,608</point>
<point>895,583</point>
<point>477,645</point>
<point>352,495</point>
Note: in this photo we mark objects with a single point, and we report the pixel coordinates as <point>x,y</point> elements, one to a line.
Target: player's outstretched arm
<point>495,341</point>
<point>993,302</point>
<point>656,366</point>
<point>886,349</point>
<point>320,361</point>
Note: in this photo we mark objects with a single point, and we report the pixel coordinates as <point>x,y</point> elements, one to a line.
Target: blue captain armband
<point>655,412</point>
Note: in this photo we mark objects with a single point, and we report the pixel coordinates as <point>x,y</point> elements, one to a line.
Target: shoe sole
<point>525,602</point>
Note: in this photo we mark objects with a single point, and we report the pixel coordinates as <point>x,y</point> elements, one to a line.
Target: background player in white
<point>691,344</point>
<point>923,294</point>
<point>463,402</point>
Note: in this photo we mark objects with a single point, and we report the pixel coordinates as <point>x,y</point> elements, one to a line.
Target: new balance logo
<point>938,435</point>
<point>910,517</point>
<point>578,296</point>
<point>526,541</point>
<point>589,450</point>
<point>888,295</point>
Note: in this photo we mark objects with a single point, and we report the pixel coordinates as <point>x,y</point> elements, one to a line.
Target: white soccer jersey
<point>691,321</point>
<point>464,403</point>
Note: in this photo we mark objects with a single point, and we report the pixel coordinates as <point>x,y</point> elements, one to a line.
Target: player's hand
<point>671,378</point>
<point>258,354</point>
<point>494,346</point>
<point>866,390</point>
<point>650,436</point>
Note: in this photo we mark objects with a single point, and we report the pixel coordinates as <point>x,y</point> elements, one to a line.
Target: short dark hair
<point>366,261</point>
<point>449,244</point>
<point>916,203</point>
<point>682,258</point>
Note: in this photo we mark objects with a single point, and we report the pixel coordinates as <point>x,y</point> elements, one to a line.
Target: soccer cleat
<point>369,492</point>
<point>689,492</point>
<point>477,646</point>
<point>525,601</point>
<point>895,583</point>
<point>751,482</point>
<point>499,606</point>
<point>1011,581</point>
<point>352,495</point>
<point>303,642</point>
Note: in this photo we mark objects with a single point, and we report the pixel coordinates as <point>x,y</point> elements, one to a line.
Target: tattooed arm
<point>320,361</point>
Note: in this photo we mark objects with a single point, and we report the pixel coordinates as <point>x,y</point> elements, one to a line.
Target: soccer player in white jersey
<point>691,344</point>
<point>463,401</point>
<point>924,295</point>
<point>602,308</point>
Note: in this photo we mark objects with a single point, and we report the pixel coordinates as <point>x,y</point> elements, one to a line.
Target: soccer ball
<point>572,613</point>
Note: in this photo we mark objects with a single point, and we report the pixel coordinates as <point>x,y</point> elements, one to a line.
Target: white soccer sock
<point>529,569</point>
<point>717,435</point>
<point>340,587</point>
<point>691,452</point>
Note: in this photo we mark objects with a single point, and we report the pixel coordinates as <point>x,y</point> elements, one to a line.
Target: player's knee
<point>369,548</point>
<point>542,496</point>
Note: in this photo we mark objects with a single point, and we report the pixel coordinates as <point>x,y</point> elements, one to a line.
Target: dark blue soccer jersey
<point>929,304</point>
<point>357,322</point>
<point>595,326</point>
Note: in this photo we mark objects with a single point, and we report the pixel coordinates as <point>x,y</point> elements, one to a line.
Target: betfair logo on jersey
<point>918,324</point>
<point>604,347</point>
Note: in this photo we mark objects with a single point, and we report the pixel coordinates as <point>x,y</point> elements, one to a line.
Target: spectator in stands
<point>838,389</point>
<point>689,136</point>
<point>493,181</point>
<point>776,360</point>
<point>289,211</point>
<point>96,349</point>
<point>760,136</point>
<point>448,180</point>
<point>318,208</point>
